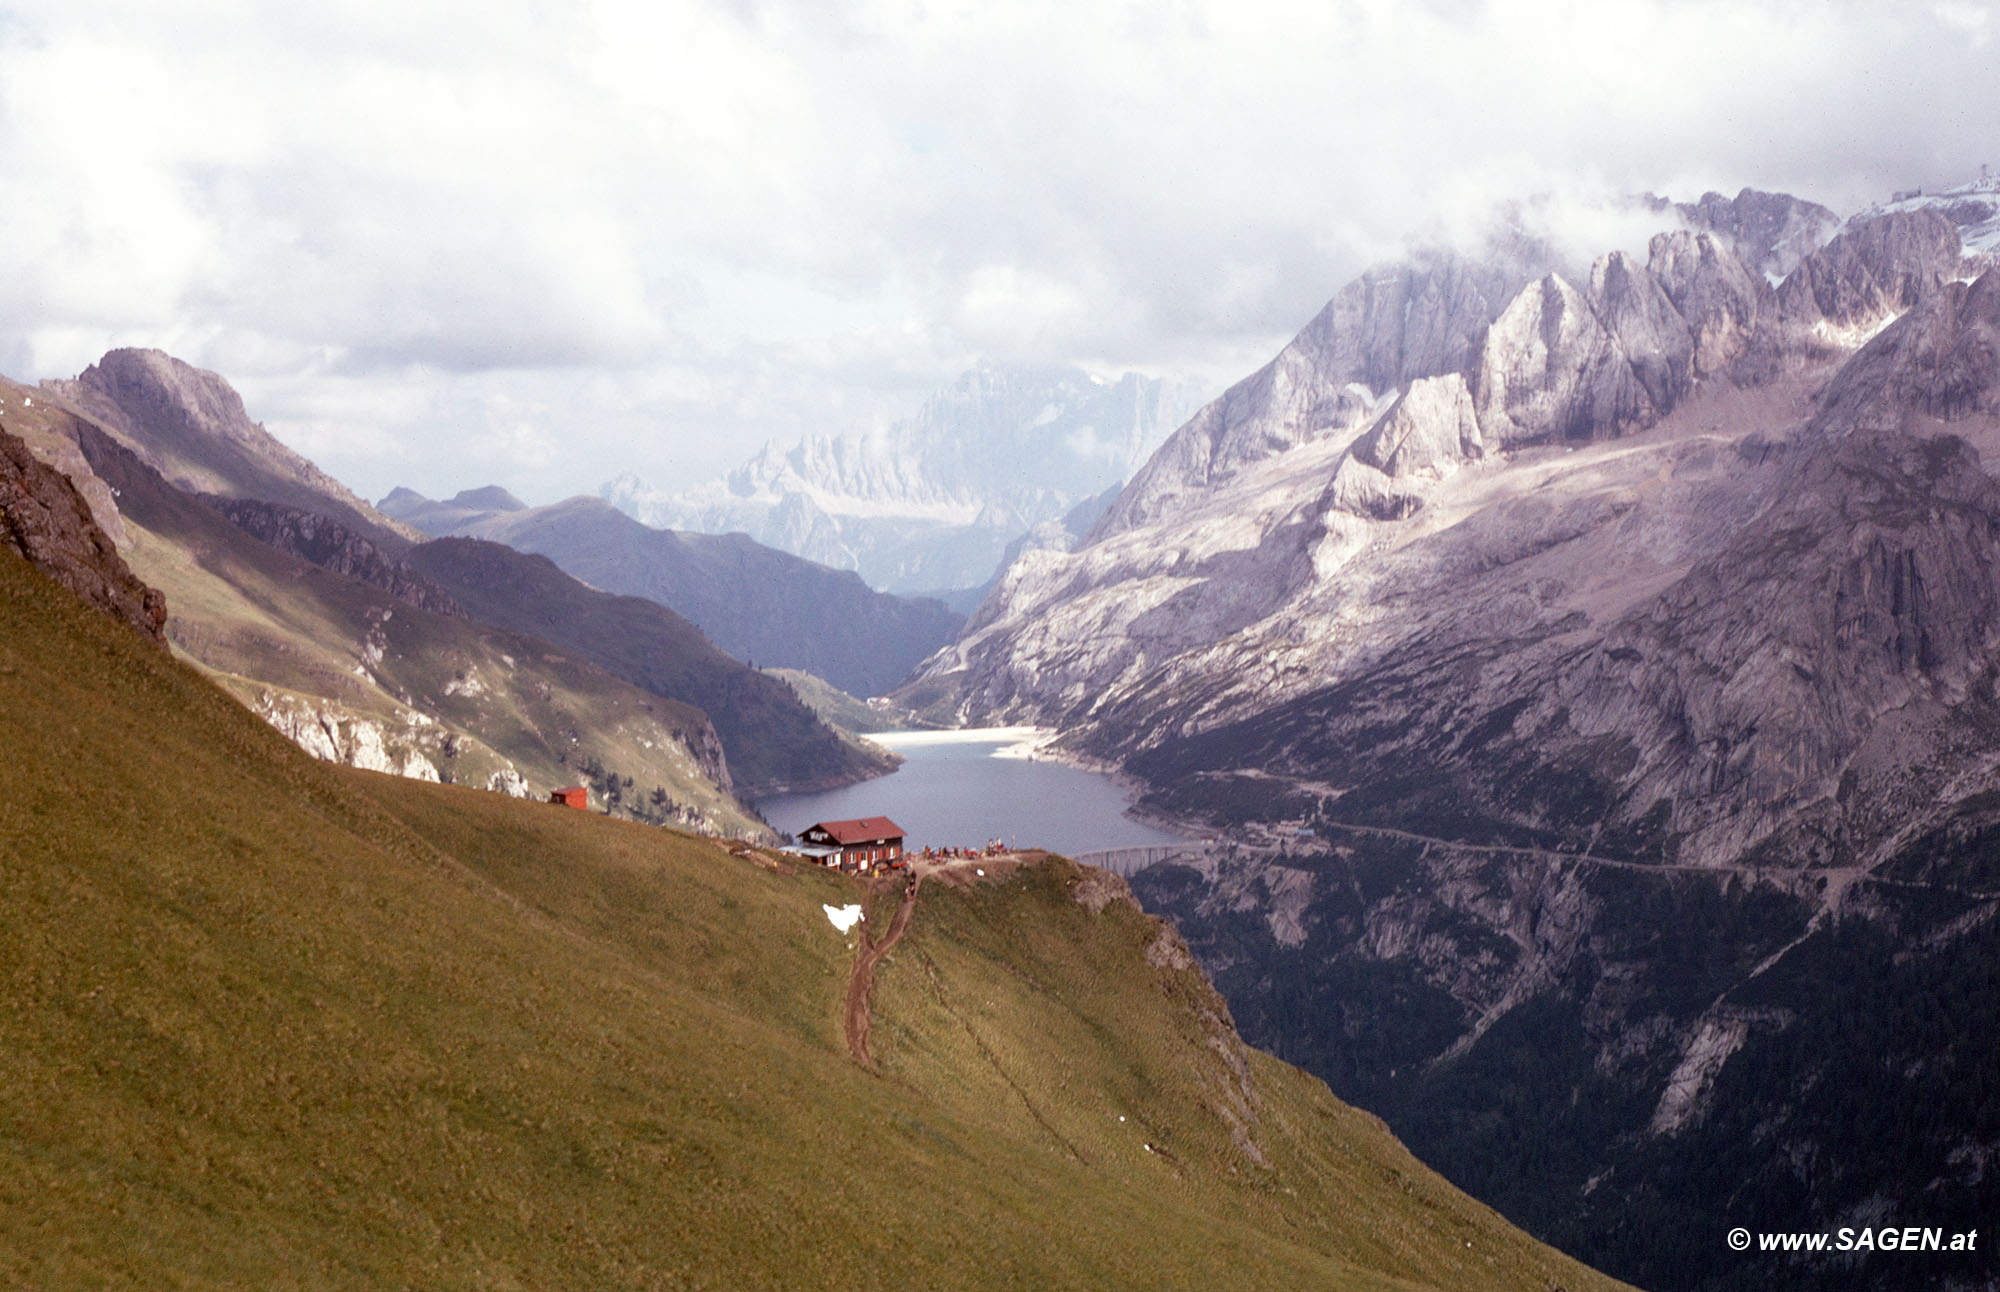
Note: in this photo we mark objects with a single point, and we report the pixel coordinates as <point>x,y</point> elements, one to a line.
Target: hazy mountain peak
<point>488,498</point>
<point>932,501</point>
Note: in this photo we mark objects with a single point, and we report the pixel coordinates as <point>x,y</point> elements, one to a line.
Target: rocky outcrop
<point>1874,270</point>
<point>1770,232</point>
<point>1392,326</point>
<point>333,546</point>
<point>1430,429</point>
<point>1652,334</point>
<point>1718,298</point>
<point>190,426</point>
<point>335,734</point>
<point>1551,370</point>
<point>1940,361</point>
<point>46,520</point>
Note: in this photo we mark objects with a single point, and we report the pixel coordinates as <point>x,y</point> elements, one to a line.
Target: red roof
<point>860,830</point>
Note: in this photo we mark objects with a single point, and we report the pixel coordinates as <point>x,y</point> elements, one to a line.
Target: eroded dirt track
<point>861,981</point>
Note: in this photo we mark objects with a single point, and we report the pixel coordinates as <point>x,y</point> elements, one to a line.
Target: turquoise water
<point>953,790</point>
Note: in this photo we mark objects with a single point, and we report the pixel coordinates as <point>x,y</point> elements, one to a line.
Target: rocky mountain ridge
<point>1567,715</point>
<point>1555,369</point>
<point>332,546</point>
<point>354,673</point>
<point>336,640</point>
<point>190,425</point>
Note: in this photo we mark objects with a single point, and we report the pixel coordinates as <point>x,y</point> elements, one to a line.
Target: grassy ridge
<point>270,1023</point>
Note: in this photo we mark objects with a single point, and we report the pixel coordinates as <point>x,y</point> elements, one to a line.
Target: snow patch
<point>842,917</point>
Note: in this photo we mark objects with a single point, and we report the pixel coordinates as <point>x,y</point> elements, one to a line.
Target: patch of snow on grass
<point>842,917</point>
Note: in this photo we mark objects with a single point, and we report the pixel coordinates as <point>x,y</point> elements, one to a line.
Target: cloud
<point>659,234</point>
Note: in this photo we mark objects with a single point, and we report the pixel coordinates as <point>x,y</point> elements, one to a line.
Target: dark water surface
<point>953,790</point>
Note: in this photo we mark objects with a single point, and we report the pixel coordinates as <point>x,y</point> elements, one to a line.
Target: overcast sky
<point>541,242</point>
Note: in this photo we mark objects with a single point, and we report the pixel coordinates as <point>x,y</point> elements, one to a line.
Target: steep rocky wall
<point>333,546</point>
<point>45,519</point>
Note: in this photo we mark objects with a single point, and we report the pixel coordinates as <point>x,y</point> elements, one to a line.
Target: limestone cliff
<point>1601,731</point>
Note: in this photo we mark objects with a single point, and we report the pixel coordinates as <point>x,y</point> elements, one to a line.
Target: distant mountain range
<point>1589,673</point>
<point>930,504</point>
<point>764,606</point>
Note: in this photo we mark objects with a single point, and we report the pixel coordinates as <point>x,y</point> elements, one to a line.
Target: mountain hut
<point>860,844</point>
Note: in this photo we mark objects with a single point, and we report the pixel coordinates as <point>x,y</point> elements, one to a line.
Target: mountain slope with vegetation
<point>764,606</point>
<point>774,741</point>
<point>307,651</point>
<point>190,425</point>
<point>273,1022</point>
<point>357,675</point>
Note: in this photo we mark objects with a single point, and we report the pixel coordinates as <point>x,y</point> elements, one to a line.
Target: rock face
<point>334,734</point>
<point>190,426</point>
<point>1550,368</point>
<point>1564,747</point>
<point>1876,267</point>
<point>1770,232</point>
<point>332,546</point>
<point>45,519</point>
<point>1720,301</point>
<point>1391,326</point>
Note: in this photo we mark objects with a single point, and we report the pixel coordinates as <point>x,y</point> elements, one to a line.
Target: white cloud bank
<point>442,243</point>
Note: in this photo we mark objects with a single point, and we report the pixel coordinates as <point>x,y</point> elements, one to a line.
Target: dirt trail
<point>861,981</point>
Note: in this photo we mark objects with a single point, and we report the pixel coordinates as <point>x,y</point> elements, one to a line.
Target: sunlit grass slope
<point>269,1023</point>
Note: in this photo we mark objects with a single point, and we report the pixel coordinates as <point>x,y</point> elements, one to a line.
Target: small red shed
<point>575,796</point>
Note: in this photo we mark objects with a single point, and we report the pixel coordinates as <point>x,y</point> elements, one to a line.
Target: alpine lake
<point>967,788</point>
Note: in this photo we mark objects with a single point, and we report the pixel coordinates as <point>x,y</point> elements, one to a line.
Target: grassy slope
<point>262,618</point>
<point>270,1023</point>
<point>774,742</point>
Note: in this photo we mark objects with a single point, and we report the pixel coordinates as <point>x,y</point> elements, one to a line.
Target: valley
<point>274,1020</point>
<point>1571,675</point>
<point>1583,698</point>
<point>756,645</point>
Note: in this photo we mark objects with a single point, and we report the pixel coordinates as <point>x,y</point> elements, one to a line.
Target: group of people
<point>993,848</point>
